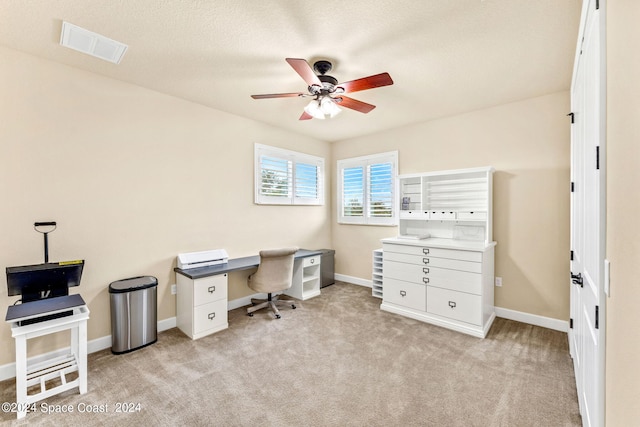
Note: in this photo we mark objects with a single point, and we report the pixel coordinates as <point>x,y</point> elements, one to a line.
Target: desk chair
<point>275,273</point>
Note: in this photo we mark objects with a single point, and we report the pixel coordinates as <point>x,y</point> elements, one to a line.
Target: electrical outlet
<point>174,289</point>
<point>498,281</point>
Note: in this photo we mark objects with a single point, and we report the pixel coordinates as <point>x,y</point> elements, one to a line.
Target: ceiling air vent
<point>91,43</point>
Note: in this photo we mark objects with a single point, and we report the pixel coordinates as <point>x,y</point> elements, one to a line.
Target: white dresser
<point>440,283</point>
<point>440,269</point>
<point>201,307</point>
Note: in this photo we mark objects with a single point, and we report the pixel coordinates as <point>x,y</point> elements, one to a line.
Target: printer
<point>202,259</point>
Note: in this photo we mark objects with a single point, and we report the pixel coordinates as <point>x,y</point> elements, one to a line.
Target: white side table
<point>56,367</point>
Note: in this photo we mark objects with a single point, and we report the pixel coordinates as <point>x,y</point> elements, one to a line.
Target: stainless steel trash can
<point>134,313</point>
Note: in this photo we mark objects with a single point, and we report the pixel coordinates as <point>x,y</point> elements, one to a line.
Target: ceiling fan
<point>327,93</point>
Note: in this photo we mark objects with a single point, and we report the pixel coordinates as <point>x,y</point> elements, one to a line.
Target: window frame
<point>293,159</point>
<point>365,162</point>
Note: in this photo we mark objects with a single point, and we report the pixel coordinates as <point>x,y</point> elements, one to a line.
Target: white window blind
<point>284,177</point>
<point>380,194</point>
<point>353,191</point>
<point>367,188</point>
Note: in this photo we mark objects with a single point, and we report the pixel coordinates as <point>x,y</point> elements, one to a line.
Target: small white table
<point>54,368</point>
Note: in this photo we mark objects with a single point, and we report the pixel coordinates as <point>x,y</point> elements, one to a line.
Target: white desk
<point>56,368</point>
<point>201,303</point>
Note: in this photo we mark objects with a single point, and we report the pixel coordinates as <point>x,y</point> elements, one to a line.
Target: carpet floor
<point>337,360</point>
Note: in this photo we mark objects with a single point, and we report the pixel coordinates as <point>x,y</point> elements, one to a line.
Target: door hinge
<point>573,187</point>
<point>572,117</point>
<point>597,157</point>
<point>597,317</point>
<point>570,323</point>
<point>571,255</point>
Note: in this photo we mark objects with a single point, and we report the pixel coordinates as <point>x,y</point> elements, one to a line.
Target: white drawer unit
<point>201,305</point>
<point>446,286</point>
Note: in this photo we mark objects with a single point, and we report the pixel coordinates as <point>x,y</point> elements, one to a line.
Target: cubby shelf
<point>442,204</point>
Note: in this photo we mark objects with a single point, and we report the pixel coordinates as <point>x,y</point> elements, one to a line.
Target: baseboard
<point>354,280</point>
<point>8,371</point>
<point>533,319</point>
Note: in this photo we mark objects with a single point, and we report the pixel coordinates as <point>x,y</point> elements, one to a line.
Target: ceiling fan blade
<point>354,104</point>
<point>378,80</point>
<point>305,116</point>
<point>303,68</point>
<point>277,95</point>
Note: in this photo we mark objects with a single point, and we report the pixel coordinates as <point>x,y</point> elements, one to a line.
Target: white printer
<point>202,258</point>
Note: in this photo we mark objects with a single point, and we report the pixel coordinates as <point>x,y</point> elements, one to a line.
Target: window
<point>367,188</point>
<point>284,177</point>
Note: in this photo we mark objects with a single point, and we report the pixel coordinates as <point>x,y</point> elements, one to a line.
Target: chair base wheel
<point>278,316</point>
<point>250,314</point>
<point>293,306</point>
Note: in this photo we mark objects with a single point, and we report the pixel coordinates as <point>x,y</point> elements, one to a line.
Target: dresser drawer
<point>433,252</point>
<point>410,295</point>
<point>429,261</point>
<point>454,305</point>
<point>209,289</point>
<point>209,316</point>
<point>311,260</point>
<point>440,277</point>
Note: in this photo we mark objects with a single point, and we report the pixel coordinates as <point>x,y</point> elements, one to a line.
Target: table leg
<point>81,355</point>
<point>21,376</point>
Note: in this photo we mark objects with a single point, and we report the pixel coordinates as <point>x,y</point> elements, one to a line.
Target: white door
<point>586,337</point>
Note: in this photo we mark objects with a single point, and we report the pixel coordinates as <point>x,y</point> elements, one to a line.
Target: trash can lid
<point>132,284</point>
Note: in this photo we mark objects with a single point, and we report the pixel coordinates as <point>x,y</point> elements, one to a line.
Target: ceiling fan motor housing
<point>322,67</point>
<point>328,82</point>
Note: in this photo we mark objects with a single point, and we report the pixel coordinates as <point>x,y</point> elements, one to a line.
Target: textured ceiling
<point>445,56</point>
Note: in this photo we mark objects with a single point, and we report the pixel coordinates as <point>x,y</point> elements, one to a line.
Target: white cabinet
<point>440,268</point>
<point>446,287</point>
<point>376,274</point>
<point>306,278</point>
<point>201,305</point>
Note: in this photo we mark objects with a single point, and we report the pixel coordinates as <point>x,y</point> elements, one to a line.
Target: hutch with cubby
<point>440,268</point>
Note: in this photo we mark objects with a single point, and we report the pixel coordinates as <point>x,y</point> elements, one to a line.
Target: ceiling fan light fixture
<point>313,109</point>
<point>322,108</point>
<point>329,107</point>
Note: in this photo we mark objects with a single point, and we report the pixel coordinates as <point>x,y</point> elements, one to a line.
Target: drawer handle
<point>425,270</point>
<point>403,293</point>
<point>312,260</point>
<point>425,251</point>
<point>452,304</point>
<point>425,260</point>
<point>425,280</point>
<point>211,289</point>
<point>211,316</point>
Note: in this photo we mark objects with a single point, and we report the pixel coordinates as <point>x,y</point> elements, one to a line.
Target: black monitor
<point>48,280</point>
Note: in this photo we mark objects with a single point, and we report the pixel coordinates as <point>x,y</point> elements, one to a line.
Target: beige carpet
<point>337,360</point>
